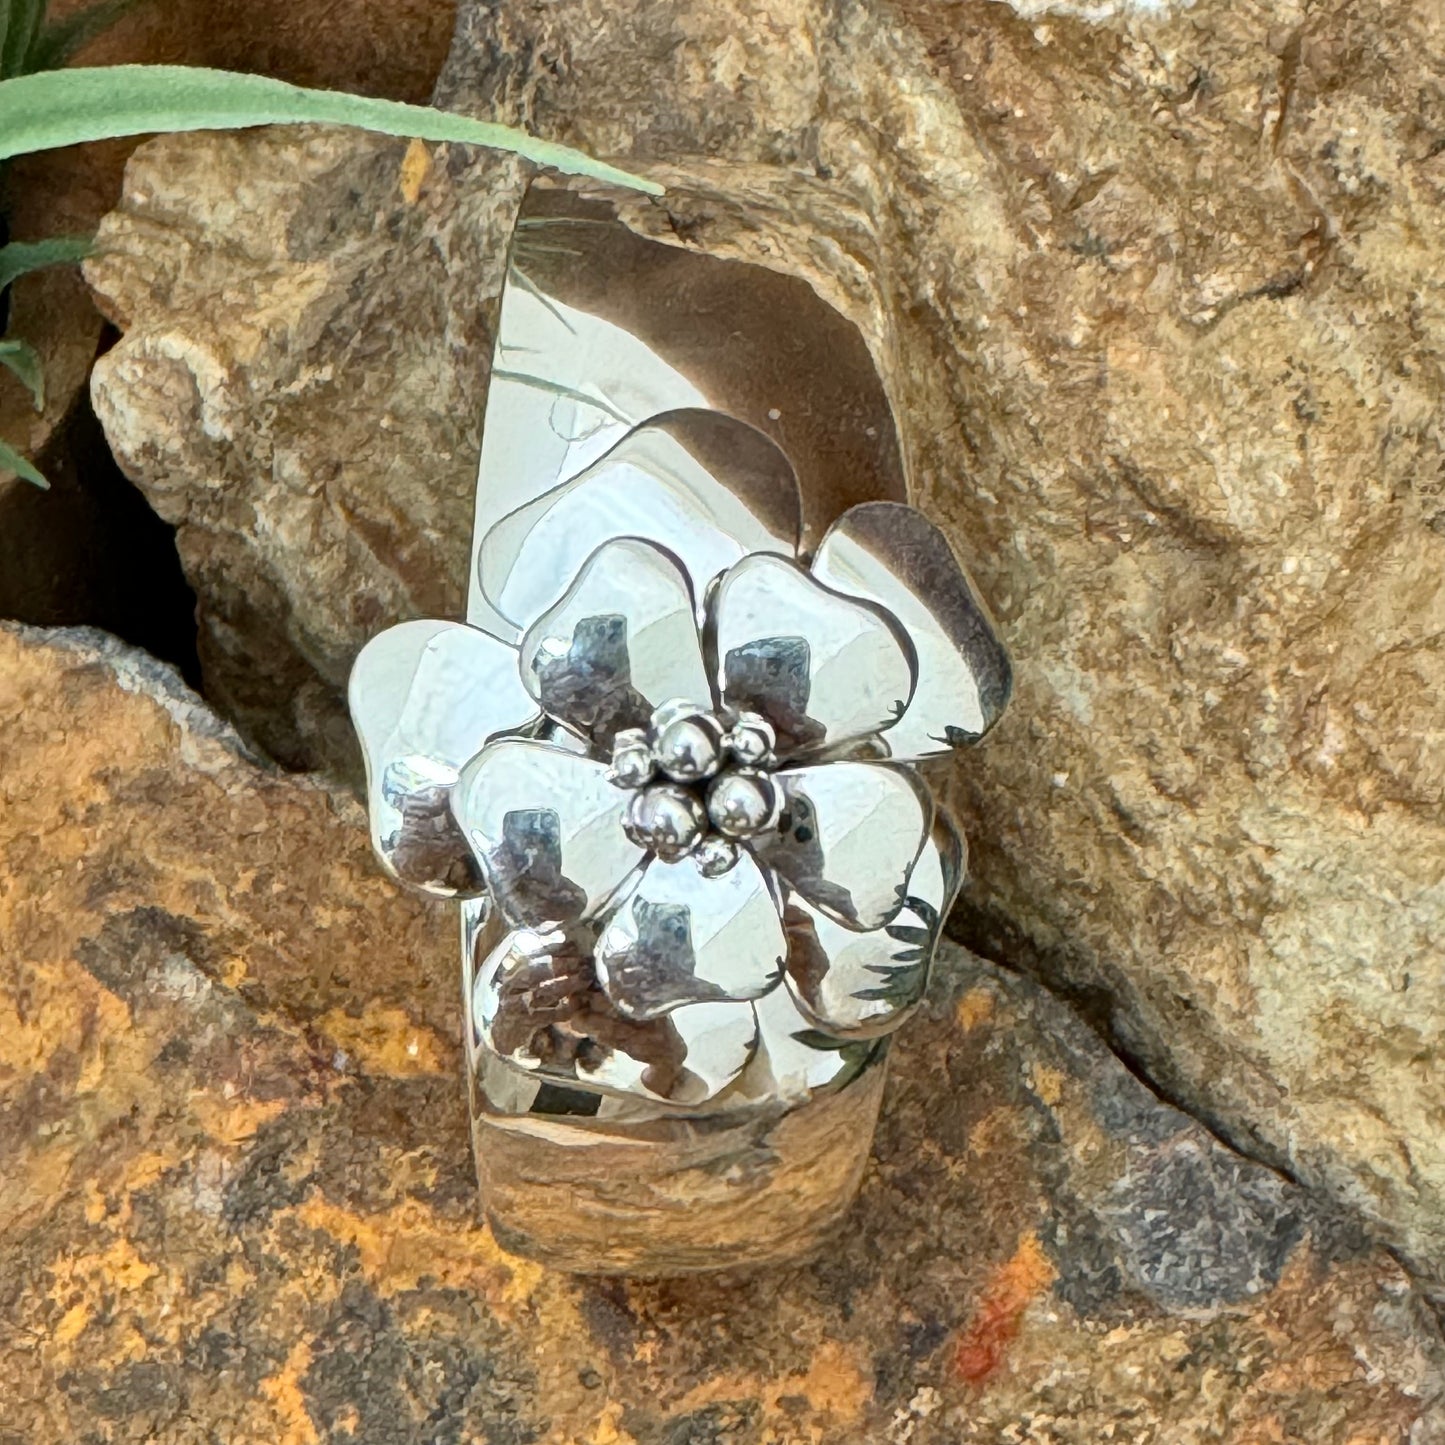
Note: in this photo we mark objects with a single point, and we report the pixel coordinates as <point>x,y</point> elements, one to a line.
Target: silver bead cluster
<point>700,783</point>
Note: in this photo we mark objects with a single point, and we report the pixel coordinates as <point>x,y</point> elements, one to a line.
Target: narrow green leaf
<point>66,107</point>
<point>5,8</point>
<point>24,25</point>
<point>23,359</point>
<point>12,461</point>
<point>20,258</point>
<point>61,39</point>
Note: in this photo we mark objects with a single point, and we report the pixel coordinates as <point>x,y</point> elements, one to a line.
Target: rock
<point>390,49</point>
<point>321,486</point>
<point>88,550</point>
<point>376,48</point>
<point>238,1202</point>
<point>53,311</point>
<point>1158,301</point>
<point>54,314</point>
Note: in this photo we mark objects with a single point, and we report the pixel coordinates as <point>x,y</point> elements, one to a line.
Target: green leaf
<point>23,359</point>
<point>22,26</point>
<point>12,461</point>
<point>66,107</point>
<point>20,258</point>
<point>58,41</point>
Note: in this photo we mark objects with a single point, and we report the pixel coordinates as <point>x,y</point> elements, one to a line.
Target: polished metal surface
<point>715,855</point>
<point>621,642</point>
<point>663,763</point>
<point>426,697</point>
<point>821,668</point>
<point>547,828</point>
<point>603,331</point>
<point>794,1059</point>
<point>860,985</point>
<point>688,791</point>
<point>689,741</point>
<point>752,741</point>
<point>894,556</point>
<point>652,486</point>
<point>633,765</point>
<point>848,838</point>
<point>743,803</point>
<point>666,819</point>
<point>680,936</point>
<point>535,1005</point>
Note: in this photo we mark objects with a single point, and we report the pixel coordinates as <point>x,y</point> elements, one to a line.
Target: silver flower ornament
<point>685,790</point>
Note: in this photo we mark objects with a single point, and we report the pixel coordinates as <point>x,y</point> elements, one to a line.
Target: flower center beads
<point>698,783</point>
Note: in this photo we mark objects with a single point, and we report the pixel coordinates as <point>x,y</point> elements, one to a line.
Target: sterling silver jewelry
<point>665,763</point>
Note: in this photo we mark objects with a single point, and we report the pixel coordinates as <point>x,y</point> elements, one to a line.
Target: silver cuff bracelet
<point>665,764</point>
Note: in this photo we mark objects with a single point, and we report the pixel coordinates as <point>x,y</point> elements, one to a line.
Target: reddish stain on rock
<point>983,1343</point>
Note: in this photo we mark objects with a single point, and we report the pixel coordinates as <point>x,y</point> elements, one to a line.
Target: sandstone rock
<point>320,486</point>
<point>390,49</point>
<point>237,1202</point>
<point>1158,298</point>
<point>54,314</point>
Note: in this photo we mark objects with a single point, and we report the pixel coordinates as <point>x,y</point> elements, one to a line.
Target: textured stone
<point>237,1202</point>
<point>390,49</point>
<point>1159,303</point>
<point>54,314</point>
<point>319,488</point>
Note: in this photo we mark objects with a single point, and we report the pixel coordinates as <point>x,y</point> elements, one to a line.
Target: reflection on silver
<point>652,486</point>
<point>633,765</point>
<point>547,827</point>
<point>796,1060</point>
<point>860,985</point>
<point>742,803</point>
<point>819,667</point>
<point>689,743</point>
<point>894,556</point>
<point>715,855</point>
<point>602,331</point>
<point>666,819</point>
<point>752,741</point>
<point>622,641</point>
<point>425,697</point>
<point>682,937</point>
<point>848,838</point>
<point>704,802</point>
<point>535,1003</point>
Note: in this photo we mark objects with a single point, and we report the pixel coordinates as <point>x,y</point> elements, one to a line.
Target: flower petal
<point>546,826</point>
<point>536,1004</point>
<point>680,938</point>
<point>822,668</point>
<point>707,488</point>
<point>848,837</point>
<point>859,985</point>
<point>619,644</point>
<point>795,1059</point>
<point>425,697</point>
<point>893,555</point>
